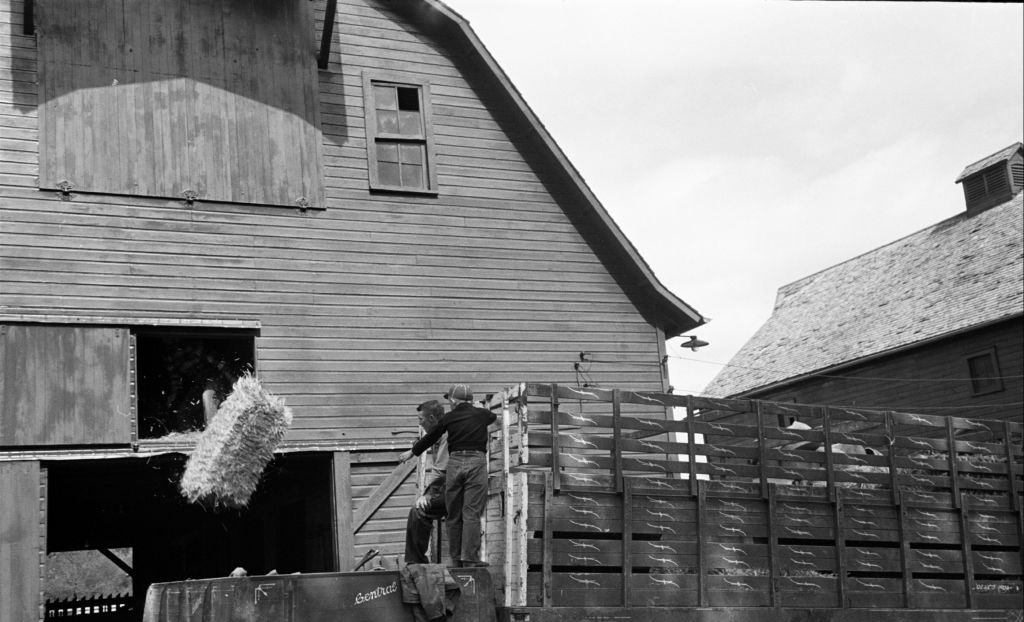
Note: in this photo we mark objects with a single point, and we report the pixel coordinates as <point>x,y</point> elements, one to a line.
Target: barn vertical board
<point>20,541</point>
<point>134,107</point>
<point>64,385</point>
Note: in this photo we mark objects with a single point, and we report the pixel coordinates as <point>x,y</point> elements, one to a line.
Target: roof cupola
<point>993,180</point>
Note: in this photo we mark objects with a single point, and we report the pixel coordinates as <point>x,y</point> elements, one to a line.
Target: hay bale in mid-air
<point>236,446</point>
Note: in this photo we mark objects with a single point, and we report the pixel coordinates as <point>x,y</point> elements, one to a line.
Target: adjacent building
<point>929,323</point>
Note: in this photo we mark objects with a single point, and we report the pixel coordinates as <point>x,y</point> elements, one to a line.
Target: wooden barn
<point>350,199</point>
<point>347,197</point>
<point>932,322</point>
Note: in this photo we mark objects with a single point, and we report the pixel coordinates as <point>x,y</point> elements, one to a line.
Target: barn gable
<point>354,305</point>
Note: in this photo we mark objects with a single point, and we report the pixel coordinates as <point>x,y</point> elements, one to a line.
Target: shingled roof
<point>984,163</point>
<point>962,272</point>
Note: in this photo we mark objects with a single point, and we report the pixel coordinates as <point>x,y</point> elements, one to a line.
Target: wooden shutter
<point>212,99</point>
<point>21,541</point>
<point>64,385</point>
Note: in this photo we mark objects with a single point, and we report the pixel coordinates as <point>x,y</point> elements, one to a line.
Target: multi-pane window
<point>984,373</point>
<point>399,137</point>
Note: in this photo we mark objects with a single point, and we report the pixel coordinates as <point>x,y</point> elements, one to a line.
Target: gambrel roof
<point>653,299</point>
<point>964,272</point>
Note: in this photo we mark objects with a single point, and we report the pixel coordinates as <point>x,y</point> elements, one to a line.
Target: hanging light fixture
<point>693,343</point>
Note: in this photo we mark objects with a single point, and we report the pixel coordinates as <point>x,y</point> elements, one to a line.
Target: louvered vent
<point>974,188</point>
<point>993,179</point>
<point>987,188</point>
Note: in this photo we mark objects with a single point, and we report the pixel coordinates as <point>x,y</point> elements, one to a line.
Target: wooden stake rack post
<point>608,503</point>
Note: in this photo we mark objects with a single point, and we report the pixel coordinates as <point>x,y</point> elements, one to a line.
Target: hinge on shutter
<point>303,203</point>
<point>190,196</point>
<point>65,188</point>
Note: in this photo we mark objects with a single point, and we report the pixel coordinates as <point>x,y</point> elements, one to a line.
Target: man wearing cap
<point>466,478</point>
<point>429,506</point>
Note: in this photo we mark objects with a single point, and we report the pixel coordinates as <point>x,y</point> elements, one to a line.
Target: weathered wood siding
<point>160,98</point>
<point>63,385</point>
<point>366,307</point>
<point>22,544</point>
<point>895,382</point>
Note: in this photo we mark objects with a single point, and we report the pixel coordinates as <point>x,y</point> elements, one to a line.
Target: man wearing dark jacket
<point>466,478</point>
<point>429,506</point>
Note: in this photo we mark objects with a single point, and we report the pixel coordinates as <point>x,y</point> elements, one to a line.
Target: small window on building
<point>183,377</point>
<point>784,419</point>
<point>399,139</point>
<point>983,368</point>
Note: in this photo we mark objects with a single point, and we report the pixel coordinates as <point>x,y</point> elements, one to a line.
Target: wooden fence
<point>113,608</point>
<point>754,504</point>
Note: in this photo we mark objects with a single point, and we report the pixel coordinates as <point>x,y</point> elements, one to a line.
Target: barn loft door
<point>202,99</point>
<point>64,385</point>
<point>21,534</point>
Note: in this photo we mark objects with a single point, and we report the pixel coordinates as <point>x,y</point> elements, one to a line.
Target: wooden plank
<point>344,526</point>
<point>826,426</point>
<point>522,544</point>
<point>507,480</point>
<point>773,549</point>
<point>1011,466</point>
<point>617,444</point>
<point>44,517</point>
<point>702,562</point>
<point>556,476</point>
<point>691,450</point>
<point>547,535</point>
<point>953,462</point>
<point>381,493</point>
<point>627,536</point>
<point>763,449</point>
<point>142,142</point>
<point>48,111</point>
<point>965,540</point>
<point>65,385</point>
<point>894,484</point>
<point>523,428</point>
<point>905,557</point>
<point>20,540</point>
<point>133,390</point>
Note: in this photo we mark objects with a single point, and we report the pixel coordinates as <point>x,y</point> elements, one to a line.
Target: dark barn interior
<point>134,503</point>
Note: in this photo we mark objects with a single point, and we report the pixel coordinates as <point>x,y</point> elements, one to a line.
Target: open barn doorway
<point>130,512</point>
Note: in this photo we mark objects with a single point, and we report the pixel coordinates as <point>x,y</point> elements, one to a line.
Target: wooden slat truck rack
<point>608,509</point>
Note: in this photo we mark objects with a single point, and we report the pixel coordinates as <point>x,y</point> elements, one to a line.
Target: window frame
<point>373,137</point>
<point>997,381</point>
<point>248,336</point>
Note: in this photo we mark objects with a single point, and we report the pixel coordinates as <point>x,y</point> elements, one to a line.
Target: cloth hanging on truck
<point>431,589</point>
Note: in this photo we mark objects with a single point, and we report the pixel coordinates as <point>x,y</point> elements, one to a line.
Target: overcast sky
<point>744,145</point>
